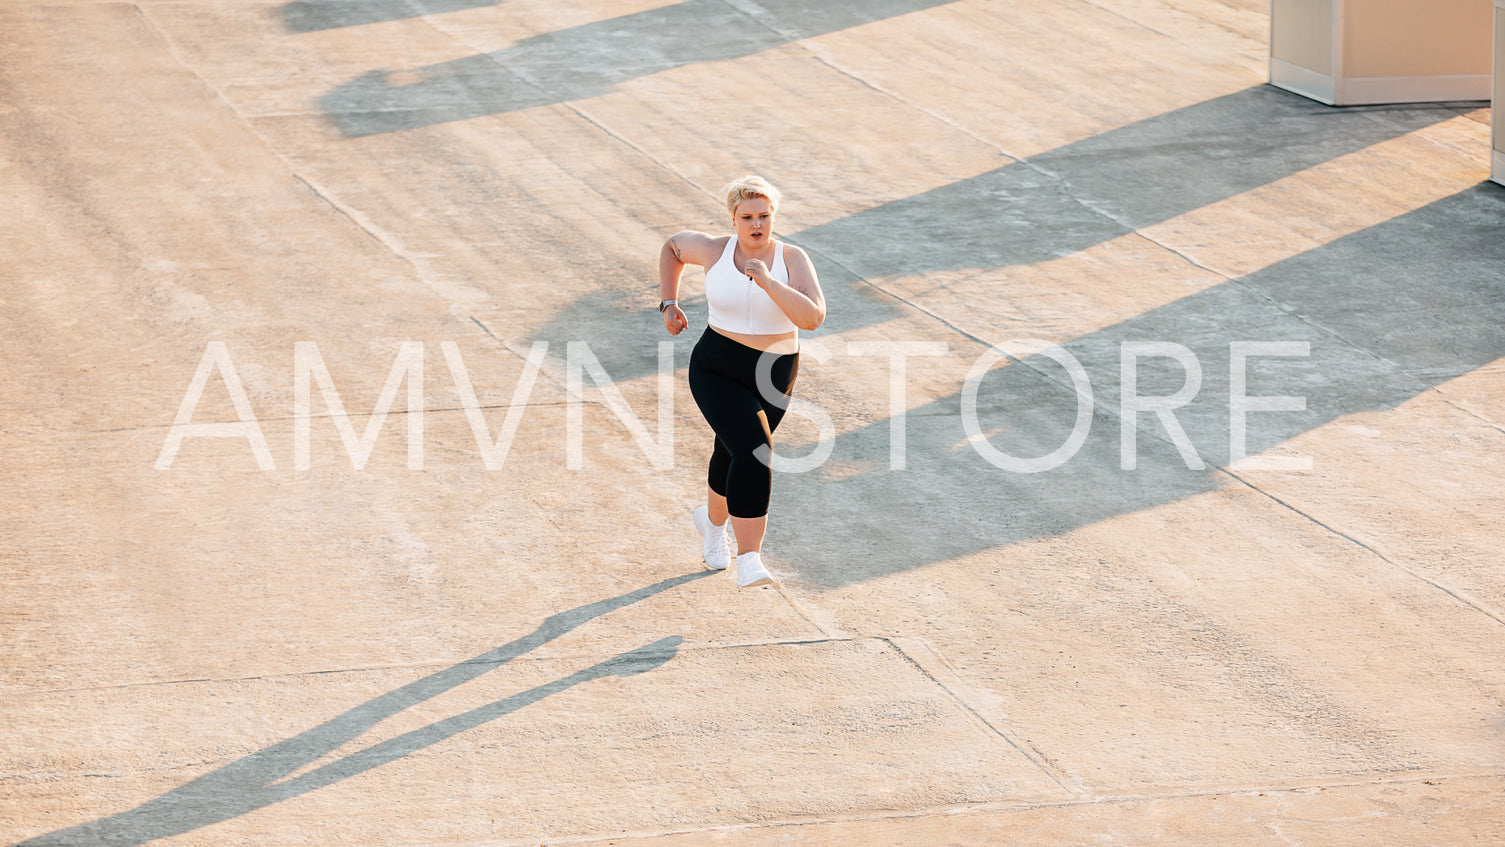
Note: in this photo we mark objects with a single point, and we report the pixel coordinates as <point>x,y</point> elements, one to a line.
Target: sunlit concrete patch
<point>672,735</point>
<point>1016,83</point>
<point>1220,31</point>
<point>1444,809</point>
<point>841,145</point>
<point>1055,299</point>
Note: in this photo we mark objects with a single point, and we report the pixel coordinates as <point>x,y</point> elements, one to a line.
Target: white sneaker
<point>750,571</point>
<point>713,544</point>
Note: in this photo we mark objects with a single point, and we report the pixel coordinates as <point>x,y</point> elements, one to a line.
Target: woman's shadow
<point>259,779</point>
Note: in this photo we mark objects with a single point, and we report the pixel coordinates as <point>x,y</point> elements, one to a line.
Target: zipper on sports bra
<point>747,303</point>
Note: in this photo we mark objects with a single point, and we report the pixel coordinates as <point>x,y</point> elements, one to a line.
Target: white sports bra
<point>737,303</point>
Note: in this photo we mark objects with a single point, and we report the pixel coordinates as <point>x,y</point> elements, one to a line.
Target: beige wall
<point>1302,33</point>
<point>1348,52</point>
<point>1498,124</point>
<point>1385,38</point>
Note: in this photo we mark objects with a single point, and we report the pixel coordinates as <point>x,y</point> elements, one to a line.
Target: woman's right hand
<point>675,320</point>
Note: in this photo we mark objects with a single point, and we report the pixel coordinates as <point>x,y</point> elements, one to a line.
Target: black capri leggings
<point>723,379</point>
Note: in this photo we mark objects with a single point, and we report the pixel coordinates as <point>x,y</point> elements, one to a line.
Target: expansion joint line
<point>1126,19</point>
<point>354,216</point>
<point>663,166</point>
<point>712,832</point>
<point>1456,594</point>
<point>571,105</point>
<point>956,689</point>
<point>1210,22</point>
<point>763,19</point>
<point>1453,404</point>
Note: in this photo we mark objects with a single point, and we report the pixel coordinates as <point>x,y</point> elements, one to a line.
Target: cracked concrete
<point>425,651</point>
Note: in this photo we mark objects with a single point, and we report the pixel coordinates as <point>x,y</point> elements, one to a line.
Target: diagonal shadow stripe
<point>1389,312</point>
<point>260,779</point>
<point>586,61</point>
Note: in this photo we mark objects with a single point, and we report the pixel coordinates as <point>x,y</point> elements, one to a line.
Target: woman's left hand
<point>758,272</point>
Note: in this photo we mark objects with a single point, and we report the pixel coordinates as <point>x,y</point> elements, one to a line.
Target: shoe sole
<point>767,580</point>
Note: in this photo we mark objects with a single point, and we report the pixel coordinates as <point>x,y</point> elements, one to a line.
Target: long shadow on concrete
<point>586,61</point>
<point>1056,203</point>
<point>251,783</point>
<point>1389,312</point>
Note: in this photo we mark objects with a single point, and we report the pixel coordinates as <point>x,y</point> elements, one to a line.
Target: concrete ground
<point>273,625</point>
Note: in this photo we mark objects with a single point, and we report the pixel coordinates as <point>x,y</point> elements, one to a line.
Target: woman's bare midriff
<point>763,342</point>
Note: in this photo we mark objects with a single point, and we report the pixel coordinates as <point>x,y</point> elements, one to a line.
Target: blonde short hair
<point>748,187</point>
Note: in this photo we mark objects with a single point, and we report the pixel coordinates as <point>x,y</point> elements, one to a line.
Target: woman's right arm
<point>682,248</point>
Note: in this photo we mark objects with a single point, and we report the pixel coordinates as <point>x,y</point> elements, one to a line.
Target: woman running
<point>761,293</point>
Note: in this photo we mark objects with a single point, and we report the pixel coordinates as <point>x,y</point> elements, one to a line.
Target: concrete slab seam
<point>897,298</point>
<point>1481,419</point>
<point>810,618</point>
<point>393,413</point>
<point>968,701</point>
<point>569,105</point>
<point>1467,154</point>
<point>607,131</point>
<point>593,657</point>
<point>1085,203</point>
<point>1451,592</point>
<point>486,329</point>
<point>1304,786</point>
<point>355,216</point>
<point>819,56</point>
<point>1210,22</point>
<point>1125,18</point>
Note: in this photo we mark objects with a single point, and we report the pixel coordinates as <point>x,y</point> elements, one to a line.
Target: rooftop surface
<point>1146,488</point>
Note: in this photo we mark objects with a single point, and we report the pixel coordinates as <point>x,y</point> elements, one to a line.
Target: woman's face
<point>753,220</point>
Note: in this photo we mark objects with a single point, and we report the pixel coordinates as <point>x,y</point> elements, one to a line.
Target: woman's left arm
<point>801,300</point>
